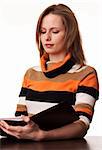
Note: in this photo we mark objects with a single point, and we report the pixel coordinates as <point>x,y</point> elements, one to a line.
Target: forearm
<point>75,130</point>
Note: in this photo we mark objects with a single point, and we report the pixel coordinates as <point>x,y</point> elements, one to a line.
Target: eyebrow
<point>51,28</point>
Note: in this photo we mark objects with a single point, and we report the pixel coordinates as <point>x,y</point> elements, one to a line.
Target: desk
<point>88,143</point>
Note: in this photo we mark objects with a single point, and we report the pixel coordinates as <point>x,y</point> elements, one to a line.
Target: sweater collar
<point>54,69</point>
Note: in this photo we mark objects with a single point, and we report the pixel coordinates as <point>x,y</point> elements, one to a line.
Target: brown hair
<point>72,35</point>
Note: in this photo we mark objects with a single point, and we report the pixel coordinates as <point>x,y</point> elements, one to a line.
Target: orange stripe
<point>21,108</point>
<point>90,81</point>
<point>70,85</point>
<point>86,110</point>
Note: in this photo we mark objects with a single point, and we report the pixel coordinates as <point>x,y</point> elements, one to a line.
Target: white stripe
<point>37,68</point>
<point>76,68</point>
<point>85,120</point>
<point>85,98</point>
<point>36,107</point>
<point>22,100</point>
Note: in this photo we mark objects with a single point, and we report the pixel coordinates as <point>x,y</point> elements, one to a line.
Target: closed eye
<point>42,32</point>
<point>55,32</point>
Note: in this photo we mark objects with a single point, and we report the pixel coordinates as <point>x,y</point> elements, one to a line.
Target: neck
<point>56,58</point>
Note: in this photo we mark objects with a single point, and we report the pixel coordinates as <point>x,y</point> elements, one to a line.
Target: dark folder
<point>51,118</point>
<point>55,117</point>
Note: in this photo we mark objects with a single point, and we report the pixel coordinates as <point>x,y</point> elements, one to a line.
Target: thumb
<point>25,118</point>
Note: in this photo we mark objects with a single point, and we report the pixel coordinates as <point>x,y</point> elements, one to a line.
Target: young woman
<point>62,76</point>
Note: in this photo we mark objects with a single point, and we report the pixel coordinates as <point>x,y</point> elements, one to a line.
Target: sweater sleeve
<point>21,108</point>
<point>86,96</point>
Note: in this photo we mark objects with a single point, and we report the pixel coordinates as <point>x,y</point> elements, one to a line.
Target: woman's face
<point>52,35</point>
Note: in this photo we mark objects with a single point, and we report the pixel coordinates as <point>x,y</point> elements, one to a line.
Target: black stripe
<point>48,96</point>
<point>23,92</point>
<point>79,113</point>
<point>19,113</point>
<point>61,70</point>
<point>89,90</point>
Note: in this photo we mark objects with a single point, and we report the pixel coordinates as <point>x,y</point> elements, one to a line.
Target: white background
<point>18,49</point>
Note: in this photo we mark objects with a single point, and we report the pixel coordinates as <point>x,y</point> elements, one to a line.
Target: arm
<point>77,129</point>
<point>31,131</point>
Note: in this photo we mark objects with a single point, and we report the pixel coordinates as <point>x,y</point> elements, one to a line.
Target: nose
<point>48,36</point>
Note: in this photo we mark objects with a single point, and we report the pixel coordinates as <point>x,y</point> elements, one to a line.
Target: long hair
<point>72,36</point>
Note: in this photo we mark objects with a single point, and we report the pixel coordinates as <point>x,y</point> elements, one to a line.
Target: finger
<point>15,131</point>
<point>8,132</point>
<point>1,124</point>
<point>4,124</point>
<point>10,127</point>
<point>15,128</point>
<point>25,118</point>
<point>28,121</point>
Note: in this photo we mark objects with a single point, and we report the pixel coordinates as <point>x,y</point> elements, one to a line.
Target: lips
<point>49,45</point>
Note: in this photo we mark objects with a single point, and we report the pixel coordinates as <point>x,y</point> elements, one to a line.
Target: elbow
<point>82,135</point>
<point>83,130</point>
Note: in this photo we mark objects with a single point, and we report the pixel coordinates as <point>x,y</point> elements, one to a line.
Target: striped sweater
<point>51,83</point>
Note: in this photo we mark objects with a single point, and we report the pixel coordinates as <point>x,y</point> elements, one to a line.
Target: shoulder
<point>83,72</point>
<point>82,69</point>
<point>89,70</point>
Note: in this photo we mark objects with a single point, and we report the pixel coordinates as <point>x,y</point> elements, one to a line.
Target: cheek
<point>42,40</point>
<point>59,40</point>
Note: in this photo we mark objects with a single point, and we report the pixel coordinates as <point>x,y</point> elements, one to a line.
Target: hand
<point>29,131</point>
